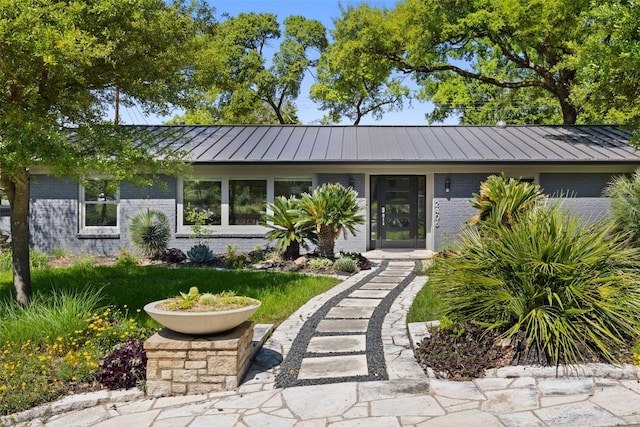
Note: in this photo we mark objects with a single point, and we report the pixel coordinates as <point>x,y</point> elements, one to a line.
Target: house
<point>414,182</point>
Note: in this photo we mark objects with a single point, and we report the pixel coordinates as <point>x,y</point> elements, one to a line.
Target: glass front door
<point>398,211</point>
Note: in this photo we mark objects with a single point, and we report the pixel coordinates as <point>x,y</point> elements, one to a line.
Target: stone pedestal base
<point>188,364</point>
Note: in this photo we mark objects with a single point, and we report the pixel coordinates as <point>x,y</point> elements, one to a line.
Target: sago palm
<point>331,210</point>
<point>287,229</point>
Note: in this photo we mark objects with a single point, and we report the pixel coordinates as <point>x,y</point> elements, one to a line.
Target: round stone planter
<point>202,322</point>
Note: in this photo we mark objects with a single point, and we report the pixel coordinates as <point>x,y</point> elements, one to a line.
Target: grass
<point>134,286</point>
<point>78,313</point>
<point>426,306</point>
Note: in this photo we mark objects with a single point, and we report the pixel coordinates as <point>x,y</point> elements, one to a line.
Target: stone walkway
<point>405,397</point>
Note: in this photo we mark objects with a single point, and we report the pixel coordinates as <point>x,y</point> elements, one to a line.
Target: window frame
<point>84,229</point>
<point>183,228</point>
<point>225,227</point>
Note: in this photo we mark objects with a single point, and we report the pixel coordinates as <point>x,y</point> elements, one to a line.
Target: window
<point>247,199</point>
<point>4,204</point>
<point>202,201</point>
<point>291,187</point>
<point>99,208</point>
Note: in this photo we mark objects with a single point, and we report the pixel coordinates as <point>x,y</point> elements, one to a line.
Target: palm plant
<point>572,289</point>
<point>504,199</point>
<point>286,227</point>
<point>331,209</point>
<point>150,232</point>
<point>624,192</point>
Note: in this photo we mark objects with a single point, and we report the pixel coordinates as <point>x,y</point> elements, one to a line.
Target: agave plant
<point>286,226</point>
<point>331,209</point>
<point>504,198</point>
<point>571,288</point>
<point>150,232</point>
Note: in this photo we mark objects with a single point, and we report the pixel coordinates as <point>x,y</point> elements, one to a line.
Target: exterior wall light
<point>447,185</point>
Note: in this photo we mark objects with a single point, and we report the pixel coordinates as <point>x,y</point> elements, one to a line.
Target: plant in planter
<point>199,314</point>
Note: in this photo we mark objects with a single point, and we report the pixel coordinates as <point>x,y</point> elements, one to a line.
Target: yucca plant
<point>286,227</point>
<point>570,287</point>
<point>504,199</point>
<point>624,192</point>
<point>331,209</point>
<point>150,232</point>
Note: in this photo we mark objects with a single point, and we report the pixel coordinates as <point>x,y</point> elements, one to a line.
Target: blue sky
<point>325,11</point>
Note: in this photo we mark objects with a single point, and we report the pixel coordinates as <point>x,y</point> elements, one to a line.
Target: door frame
<point>375,218</point>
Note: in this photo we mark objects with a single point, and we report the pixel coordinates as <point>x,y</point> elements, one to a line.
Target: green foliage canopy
<point>235,81</point>
<point>522,62</point>
<point>60,64</point>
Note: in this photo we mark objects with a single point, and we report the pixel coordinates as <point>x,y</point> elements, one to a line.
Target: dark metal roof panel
<point>375,144</point>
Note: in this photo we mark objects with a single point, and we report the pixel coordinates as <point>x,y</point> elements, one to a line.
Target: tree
<point>60,62</point>
<point>235,82</point>
<point>350,84</point>
<point>461,51</point>
<point>331,209</point>
<point>609,60</point>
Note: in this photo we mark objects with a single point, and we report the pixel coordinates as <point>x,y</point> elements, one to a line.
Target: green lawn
<point>281,293</point>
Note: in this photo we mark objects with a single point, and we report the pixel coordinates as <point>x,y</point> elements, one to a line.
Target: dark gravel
<point>287,376</point>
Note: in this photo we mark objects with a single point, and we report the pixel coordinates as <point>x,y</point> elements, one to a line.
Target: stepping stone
<point>338,344</point>
<point>333,367</point>
<point>368,294</point>
<point>359,302</point>
<point>379,286</point>
<point>379,279</point>
<point>346,325</point>
<point>350,313</point>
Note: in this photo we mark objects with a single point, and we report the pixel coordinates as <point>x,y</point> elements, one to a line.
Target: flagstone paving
<point>403,396</point>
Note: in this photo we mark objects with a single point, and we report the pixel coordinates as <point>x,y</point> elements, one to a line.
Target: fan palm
<point>504,199</point>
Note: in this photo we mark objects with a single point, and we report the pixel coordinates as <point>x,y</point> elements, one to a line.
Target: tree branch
<point>407,68</point>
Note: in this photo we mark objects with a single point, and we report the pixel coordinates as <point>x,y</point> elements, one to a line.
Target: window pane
<point>4,204</point>
<point>202,201</point>
<point>291,187</point>
<point>101,215</point>
<point>247,199</point>
<point>100,190</point>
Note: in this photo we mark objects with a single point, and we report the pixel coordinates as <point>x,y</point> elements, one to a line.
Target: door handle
<point>382,214</point>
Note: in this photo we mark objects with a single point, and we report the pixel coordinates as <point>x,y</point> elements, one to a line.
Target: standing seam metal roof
<point>397,144</point>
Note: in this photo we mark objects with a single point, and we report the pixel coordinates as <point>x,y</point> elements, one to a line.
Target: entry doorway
<point>398,211</point>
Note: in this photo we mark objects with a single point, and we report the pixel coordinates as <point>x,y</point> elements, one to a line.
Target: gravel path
<point>342,340</point>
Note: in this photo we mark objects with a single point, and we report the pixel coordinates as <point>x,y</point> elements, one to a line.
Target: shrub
<point>200,254</point>
<point>83,262</point>
<point>124,367</point>
<point>173,255</point>
<point>460,351</point>
<point>126,259</point>
<point>504,199</point>
<point>150,232</point>
<point>624,192</point>
<point>331,209</point>
<point>320,263</point>
<point>346,265</point>
<point>363,262</point>
<point>286,227</point>
<point>570,287</point>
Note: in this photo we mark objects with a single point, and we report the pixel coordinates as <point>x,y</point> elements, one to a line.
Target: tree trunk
<point>569,112</point>
<point>292,251</point>
<point>326,242</point>
<point>17,189</point>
